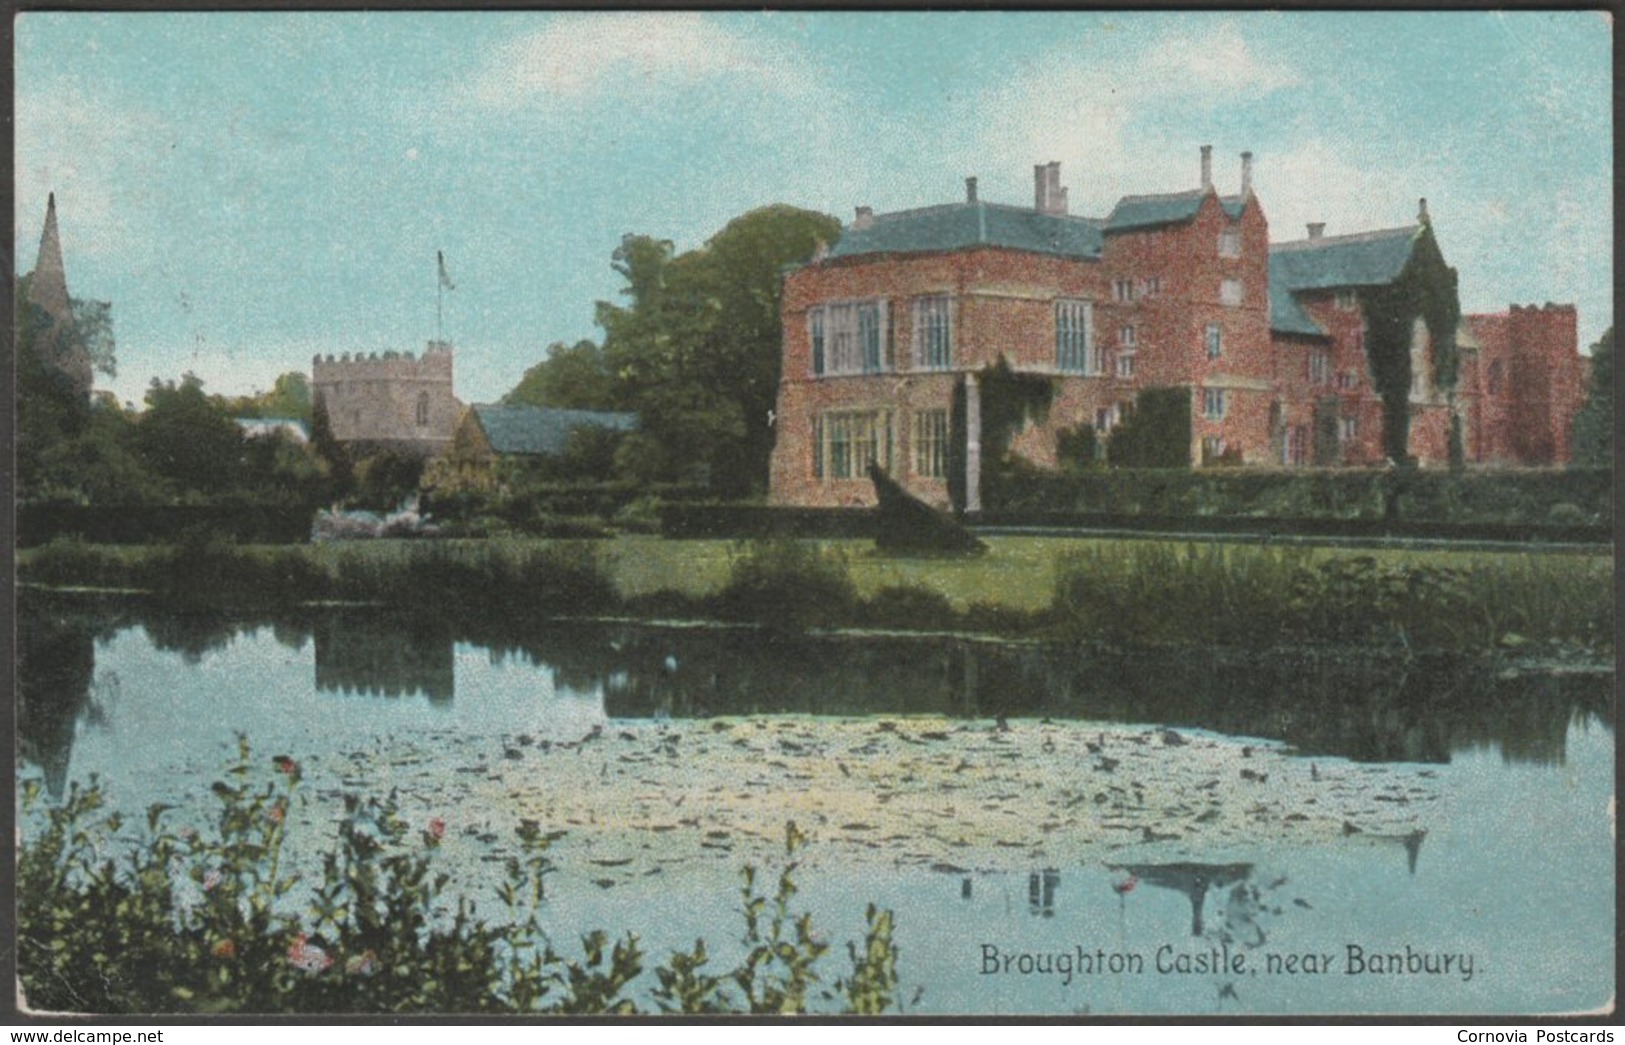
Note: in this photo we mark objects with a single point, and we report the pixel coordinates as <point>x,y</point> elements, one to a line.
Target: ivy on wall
<point>1425,290</point>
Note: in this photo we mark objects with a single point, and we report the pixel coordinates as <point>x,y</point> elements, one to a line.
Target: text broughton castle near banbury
<point>884,331</point>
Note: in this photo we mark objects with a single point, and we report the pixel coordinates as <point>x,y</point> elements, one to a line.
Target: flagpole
<point>439,296</point>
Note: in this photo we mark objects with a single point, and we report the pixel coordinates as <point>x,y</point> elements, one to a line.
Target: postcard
<point>978,514</point>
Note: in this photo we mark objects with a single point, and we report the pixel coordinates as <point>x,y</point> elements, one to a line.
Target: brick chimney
<point>1246,174</point>
<point>970,190</point>
<point>1048,196</point>
<point>1422,212</point>
<point>1317,229</point>
<point>1207,168</point>
<point>865,218</point>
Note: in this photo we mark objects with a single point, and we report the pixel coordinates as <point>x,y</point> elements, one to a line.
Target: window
<point>933,333</point>
<point>423,408</point>
<point>1347,300</point>
<point>1075,350</point>
<point>1230,243</point>
<point>931,444</point>
<point>1108,418</point>
<point>1230,292</point>
<point>1126,336</point>
<point>1213,404</point>
<point>1125,363</point>
<point>1347,380</point>
<point>815,334</point>
<point>844,444</point>
<point>1214,338</point>
<point>849,337</point>
<point>1320,366</point>
<point>1123,290</point>
<point>1348,429</point>
<point>1151,286</point>
<point>1213,448</point>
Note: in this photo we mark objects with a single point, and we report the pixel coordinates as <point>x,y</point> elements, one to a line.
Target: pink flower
<point>307,957</point>
<point>1126,886</point>
<point>437,828</point>
<point>211,878</point>
<point>284,764</point>
<point>276,813</point>
<point>225,949</point>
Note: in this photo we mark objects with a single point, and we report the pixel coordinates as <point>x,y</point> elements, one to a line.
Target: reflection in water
<point>1041,891</point>
<point>1361,708</point>
<point>1191,879</point>
<point>372,653</point>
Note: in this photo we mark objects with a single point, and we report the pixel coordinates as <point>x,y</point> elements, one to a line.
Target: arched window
<point>423,408</point>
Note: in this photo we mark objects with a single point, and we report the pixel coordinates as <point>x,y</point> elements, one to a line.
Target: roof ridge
<point>1146,197</point>
<point>1351,237</point>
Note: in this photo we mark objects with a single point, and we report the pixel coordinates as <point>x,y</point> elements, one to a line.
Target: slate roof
<point>1366,259</point>
<point>1145,212</point>
<point>538,430</point>
<point>956,226</point>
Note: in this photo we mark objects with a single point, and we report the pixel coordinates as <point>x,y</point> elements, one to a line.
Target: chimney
<point>1246,174</point>
<point>1422,212</point>
<point>1048,196</point>
<point>1207,168</point>
<point>865,218</point>
<point>970,190</point>
<point>1317,229</point>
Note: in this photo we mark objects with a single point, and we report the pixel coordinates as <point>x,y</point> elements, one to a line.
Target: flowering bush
<point>188,920</point>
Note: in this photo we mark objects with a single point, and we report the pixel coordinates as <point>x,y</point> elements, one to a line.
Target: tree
<point>696,352</point>
<point>1594,423</point>
<point>188,438</point>
<point>329,451</point>
<point>572,377</point>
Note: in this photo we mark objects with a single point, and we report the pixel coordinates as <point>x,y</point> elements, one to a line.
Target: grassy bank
<point>1127,592</point>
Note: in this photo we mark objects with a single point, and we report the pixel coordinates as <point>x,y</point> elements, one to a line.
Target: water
<point>1515,874</point>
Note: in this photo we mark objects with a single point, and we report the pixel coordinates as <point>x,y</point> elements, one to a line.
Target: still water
<point>1506,904</point>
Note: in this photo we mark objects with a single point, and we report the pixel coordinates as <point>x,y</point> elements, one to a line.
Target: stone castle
<point>391,400</point>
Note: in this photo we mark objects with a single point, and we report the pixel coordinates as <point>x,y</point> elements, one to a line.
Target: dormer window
<point>1347,300</point>
<point>1230,243</point>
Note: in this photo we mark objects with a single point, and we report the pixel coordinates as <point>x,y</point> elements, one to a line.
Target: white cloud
<point>581,54</point>
<point>1104,104</point>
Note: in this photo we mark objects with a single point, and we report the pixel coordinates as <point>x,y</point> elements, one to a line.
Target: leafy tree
<point>572,377</point>
<point>696,351</point>
<point>188,438</point>
<point>50,408</point>
<point>289,397</point>
<point>1594,424</point>
<point>329,451</point>
<point>93,327</point>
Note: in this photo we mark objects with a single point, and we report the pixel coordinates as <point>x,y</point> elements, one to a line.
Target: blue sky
<point>248,189</point>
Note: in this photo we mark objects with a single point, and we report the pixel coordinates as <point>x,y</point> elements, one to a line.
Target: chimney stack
<point>1048,196</point>
<point>1207,168</point>
<point>1317,229</point>
<point>970,190</point>
<point>865,218</point>
<point>1422,211</point>
<point>1246,174</point>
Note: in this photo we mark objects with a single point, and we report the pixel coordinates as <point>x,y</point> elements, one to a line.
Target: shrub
<point>786,583</point>
<point>205,922</point>
<point>909,606</point>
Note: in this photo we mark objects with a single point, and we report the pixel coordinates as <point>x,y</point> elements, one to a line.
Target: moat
<point>1225,834</point>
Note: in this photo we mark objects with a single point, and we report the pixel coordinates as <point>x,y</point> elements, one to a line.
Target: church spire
<point>49,289</point>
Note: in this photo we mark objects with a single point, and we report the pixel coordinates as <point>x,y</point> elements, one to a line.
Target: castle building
<point>887,334</point>
<point>389,401</point>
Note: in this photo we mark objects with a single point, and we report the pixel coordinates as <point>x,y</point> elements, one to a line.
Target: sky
<point>249,189</point>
